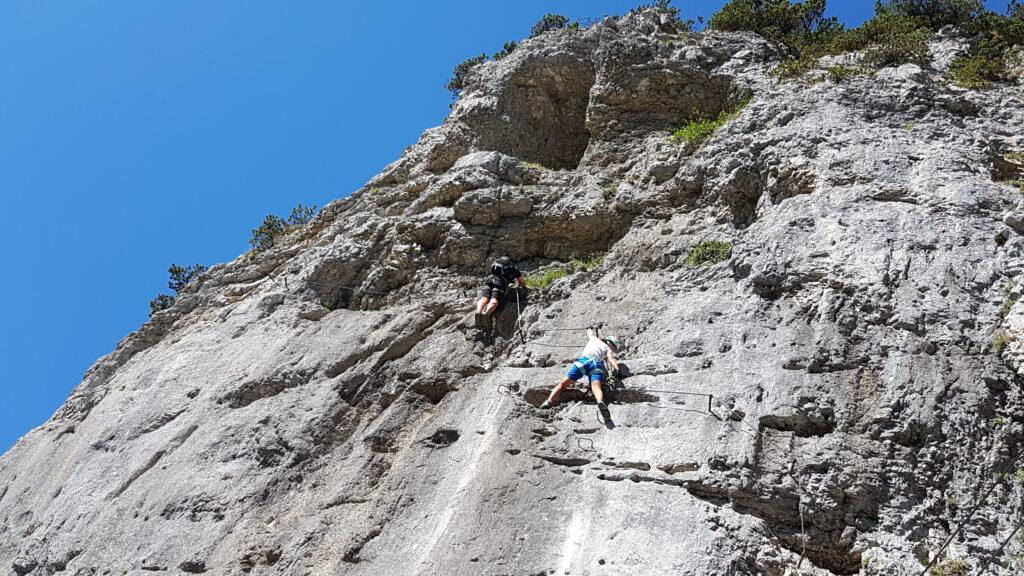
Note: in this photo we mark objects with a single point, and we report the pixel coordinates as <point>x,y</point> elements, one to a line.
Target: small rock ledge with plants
<point>809,239</point>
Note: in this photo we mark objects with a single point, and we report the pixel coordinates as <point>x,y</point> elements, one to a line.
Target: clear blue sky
<point>137,134</point>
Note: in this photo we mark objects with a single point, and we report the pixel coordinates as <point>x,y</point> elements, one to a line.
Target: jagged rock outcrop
<point>271,422</point>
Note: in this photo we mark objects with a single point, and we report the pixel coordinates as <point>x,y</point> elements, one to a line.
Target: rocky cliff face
<point>860,413</point>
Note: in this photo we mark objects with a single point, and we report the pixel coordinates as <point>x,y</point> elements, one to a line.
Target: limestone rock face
<point>833,398</point>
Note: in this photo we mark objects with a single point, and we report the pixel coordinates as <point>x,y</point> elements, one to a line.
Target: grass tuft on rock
<point>999,343</point>
<point>708,253</point>
<point>791,69</point>
<point>591,262</point>
<point>701,128</point>
<point>544,281</point>
<point>842,72</point>
<point>951,567</point>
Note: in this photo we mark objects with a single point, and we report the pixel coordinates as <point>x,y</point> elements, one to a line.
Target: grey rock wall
<point>272,423</point>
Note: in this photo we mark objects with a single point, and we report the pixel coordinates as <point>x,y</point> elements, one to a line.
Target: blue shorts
<point>590,367</point>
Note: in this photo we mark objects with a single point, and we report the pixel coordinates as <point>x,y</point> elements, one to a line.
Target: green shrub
<point>892,40</point>
<point>701,128</point>
<point>933,13</point>
<point>1007,305</point>
<point>999,343</point>
<point>709,252</point>
<point>665,6</point>
<point>897,34</point>
<point>183,276</point>
<point>951,567</point>
<point>180,276</point>
<point>544,281</point>
<point>976,71</point>
<point>698,131</point>
<point>775,19</point>
<point>547,23</point>
<point>161,302</point>
<point>842,72</point>
<point>274,227</point>
<point>461,72</point>
<point>1015,10</point>
<point>795,68</point>
<point>988,62</point>
<point>507,49</point>
<point>591,262</point>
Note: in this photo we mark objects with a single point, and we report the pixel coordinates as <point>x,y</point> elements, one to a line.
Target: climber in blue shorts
<point>591,364</point>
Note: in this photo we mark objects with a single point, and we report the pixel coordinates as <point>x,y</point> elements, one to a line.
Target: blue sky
<point>137,134</point>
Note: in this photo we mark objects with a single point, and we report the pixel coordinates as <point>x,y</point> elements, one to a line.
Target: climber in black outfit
<point>496,284</point>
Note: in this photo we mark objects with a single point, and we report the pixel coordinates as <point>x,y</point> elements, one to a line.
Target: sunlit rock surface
<point>861,344</point>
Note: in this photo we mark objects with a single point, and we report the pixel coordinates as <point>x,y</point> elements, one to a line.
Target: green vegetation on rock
<point>550,22</point>
<point>897,34</point>
<point>999,343</point>
<point>274,227</point>
<point>775,19</point>
<point>592,261</point>
<point>842,72</point>
<point>544,281</point>
<point>951,567</point>
<point>507,49</point>
<point>701,128</point>
<point>180,276</point>
<point>459,74</point>
<point>709,252</point>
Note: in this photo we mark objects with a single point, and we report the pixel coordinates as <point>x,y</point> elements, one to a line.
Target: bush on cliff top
<point>551,22</point>
<point>775,19</point>
<point>933,14</point>
<point>274,227</point>
<point>897,34</point>
<point>989,61</point>
<point>461,71</point>
<point>180,276</point>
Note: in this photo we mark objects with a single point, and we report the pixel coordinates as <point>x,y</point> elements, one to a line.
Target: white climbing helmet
<point>613,341</point>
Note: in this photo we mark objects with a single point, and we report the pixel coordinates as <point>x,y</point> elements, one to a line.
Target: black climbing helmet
<point>501,265</point>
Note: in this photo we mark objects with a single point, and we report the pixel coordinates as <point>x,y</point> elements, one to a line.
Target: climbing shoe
<point>545,405</point>
<point>602,406</point>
